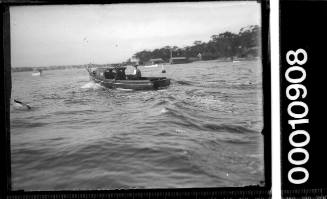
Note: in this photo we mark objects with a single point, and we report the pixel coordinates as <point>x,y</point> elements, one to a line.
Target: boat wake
<point>91,86</point>
<point>183,82</point>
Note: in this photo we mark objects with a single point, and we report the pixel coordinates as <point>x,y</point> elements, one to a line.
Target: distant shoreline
<point>65,67</point>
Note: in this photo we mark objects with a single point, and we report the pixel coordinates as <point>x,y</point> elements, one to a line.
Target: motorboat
<point>115,78</point>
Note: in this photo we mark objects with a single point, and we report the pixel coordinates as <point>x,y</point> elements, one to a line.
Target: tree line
<point>244,44</point>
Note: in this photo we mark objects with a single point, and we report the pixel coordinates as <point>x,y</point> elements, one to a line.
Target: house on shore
<point>178,60</point>
<point>192,59</point>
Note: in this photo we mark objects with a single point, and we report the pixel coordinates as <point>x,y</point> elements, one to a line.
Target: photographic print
<point>136,96</point>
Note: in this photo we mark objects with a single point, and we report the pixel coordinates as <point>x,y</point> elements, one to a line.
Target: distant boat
<point>151,66</point>
<point>163,70</point>
<point>37,73</point>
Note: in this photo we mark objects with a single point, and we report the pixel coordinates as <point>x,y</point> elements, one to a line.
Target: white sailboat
<point>37,73</point>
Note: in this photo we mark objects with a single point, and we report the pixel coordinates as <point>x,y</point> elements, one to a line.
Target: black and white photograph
<point>136,96</point>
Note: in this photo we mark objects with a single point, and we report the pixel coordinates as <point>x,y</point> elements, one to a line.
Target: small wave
<point>245,86</point>
<point>149,99</point>
<point>186,120</point>
<point>27,124</point>
<point>74,112</point>
<point>181,82</point>
<point>180,131</point>
<point>77,101</point>
<point>91,85</point>
<point>182,119</point>
<point>164,110</point>
<point>161,102</point>
<point>124,89</point>
<point>228,128</point>
<point>238,140</point>
<point>171,97</point>
<point>50,96</point>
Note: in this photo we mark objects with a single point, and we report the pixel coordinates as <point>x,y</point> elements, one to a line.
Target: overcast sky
<point>81,34</point>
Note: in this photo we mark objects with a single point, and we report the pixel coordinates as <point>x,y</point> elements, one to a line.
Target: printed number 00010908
<point>294,92</point>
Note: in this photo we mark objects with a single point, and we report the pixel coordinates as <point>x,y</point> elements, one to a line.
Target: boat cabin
<point>115,73</point>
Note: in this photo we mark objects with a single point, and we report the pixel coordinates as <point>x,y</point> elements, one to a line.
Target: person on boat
<point>114,73</point>
<point>137,72</point>
<point>108,74</point>
<point>123,74</point>
<point>120,73</point>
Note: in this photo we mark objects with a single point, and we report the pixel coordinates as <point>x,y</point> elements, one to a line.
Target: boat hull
<point>147,83</point>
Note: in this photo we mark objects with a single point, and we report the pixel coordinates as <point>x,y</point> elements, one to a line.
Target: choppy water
<point>203,131</point>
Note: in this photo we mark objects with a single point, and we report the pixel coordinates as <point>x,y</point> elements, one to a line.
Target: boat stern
<point>161,83</point>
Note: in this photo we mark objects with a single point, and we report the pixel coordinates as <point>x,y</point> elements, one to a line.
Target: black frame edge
<point>5,101</point>
<point>265,11</point>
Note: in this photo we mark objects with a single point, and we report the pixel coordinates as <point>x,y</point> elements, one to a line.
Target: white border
<point>275,100</point>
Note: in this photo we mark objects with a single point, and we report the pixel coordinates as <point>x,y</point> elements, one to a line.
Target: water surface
<point>202,131</point>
